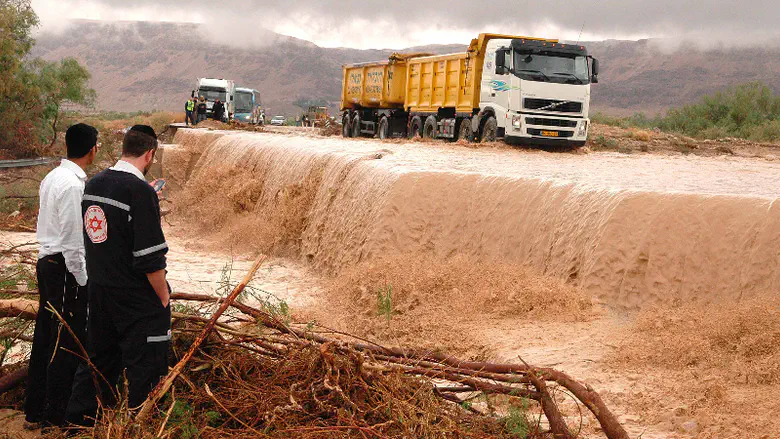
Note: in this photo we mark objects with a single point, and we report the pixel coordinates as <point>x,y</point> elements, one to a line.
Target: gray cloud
<point>399,23</point>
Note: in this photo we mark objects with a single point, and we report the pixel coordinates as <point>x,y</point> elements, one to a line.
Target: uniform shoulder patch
<point>95,224</point>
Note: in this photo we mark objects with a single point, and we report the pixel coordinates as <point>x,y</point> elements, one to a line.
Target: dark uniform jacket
<point>123,237</point>
<point>219,110</point>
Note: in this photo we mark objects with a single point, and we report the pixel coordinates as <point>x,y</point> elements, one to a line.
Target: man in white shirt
<point>62,278</point>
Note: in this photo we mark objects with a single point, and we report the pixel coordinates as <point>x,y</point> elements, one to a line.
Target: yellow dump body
<point>445,81</point>
<point>374,85</point>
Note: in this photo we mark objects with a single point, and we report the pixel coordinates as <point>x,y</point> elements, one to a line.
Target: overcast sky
<point>400,23</point>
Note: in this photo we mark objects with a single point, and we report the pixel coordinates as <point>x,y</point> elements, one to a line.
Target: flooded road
<point>633,230</point>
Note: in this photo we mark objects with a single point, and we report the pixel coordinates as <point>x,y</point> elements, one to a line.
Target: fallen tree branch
<point>18,293</point>
<point>13,379</point>
<point>16,335</point>
<point>460,371</point>
<point>19,308</point>
<point>557,424</point>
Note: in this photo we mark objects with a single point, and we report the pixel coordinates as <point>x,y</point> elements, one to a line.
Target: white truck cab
<point>538,91</point>
<point>212,89</point>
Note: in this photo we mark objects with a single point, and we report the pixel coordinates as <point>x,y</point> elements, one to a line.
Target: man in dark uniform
<point>219,110</point>
<point>129,314</point>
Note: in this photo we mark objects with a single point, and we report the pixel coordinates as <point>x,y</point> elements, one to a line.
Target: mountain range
<point>145,66</point>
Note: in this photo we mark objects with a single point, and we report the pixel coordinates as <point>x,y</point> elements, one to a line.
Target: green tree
<point>32,90</point>
<point>16,22</point>
<point>59,82</point>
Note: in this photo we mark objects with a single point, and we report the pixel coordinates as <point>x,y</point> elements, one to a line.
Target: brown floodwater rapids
<point>632,230</point>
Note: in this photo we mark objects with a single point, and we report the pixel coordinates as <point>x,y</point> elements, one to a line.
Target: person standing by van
<point>201,110</point>
<point>189,110</point>
<point>219,110</point>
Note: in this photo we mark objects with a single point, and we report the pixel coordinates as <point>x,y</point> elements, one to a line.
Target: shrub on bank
<point>748,111</point>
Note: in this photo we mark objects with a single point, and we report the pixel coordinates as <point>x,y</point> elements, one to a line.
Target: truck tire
<point>383,132</point>
<point>346,127</point>
<point>415,127</point>
<point>465,132</point>
<point>429,130</point>
<point>355,125</point>
<point>489,130</point>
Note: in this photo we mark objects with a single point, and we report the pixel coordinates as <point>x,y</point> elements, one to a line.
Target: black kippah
<point>80,139</point>
<point>146,129</point>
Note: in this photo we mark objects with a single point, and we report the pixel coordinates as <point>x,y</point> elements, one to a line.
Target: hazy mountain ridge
<point>143,66</point>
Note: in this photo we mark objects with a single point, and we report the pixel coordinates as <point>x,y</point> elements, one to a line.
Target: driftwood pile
<point>253,374</point>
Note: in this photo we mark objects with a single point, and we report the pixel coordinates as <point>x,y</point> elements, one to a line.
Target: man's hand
<point>161,183</point>
<point>160,285</point>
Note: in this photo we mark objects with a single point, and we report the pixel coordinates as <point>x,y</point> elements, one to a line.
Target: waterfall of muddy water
<point>630,230</point>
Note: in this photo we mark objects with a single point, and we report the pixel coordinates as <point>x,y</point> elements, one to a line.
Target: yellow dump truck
<point>525,90</point>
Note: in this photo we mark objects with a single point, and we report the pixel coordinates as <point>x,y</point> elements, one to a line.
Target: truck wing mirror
<point>595,71</point>
<point>501,68</point>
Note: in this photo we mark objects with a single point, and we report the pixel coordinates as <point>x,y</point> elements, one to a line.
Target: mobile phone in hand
<point>159,184</point>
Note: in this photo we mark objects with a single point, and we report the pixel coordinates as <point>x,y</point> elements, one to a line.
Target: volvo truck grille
<point>552,105</point>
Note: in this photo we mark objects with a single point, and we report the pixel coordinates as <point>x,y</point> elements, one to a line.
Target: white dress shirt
<point>60,227</point>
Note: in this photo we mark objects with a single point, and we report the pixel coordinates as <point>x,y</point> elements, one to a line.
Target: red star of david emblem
<point>95,224</point>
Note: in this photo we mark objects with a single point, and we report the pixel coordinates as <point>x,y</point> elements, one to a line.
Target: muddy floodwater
<point>632,230</point>
<point>597,264</point>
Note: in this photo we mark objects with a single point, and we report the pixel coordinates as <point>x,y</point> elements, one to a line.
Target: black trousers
<point>51,367</point>
<point>128,336</point>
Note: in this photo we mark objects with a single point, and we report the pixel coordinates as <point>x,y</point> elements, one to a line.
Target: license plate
<point>550,133</point>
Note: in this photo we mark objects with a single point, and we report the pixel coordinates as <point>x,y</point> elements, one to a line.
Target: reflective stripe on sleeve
<point>108,201</point>
<point>159,338</point>
<point>149,250</point>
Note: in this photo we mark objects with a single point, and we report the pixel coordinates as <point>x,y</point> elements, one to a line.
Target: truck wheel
<point>489,130</point>
<point>356,126</point>
<point>346,129</point>
<point>415,127</point>
<point>383,132</point>
<point>429,131</point>
<point>465,132</point>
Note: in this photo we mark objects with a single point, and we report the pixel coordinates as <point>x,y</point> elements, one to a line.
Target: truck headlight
<point>582,130</point>
<point>516,120</point>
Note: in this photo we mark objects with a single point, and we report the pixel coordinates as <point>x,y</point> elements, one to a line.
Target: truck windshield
<point>243,102</point>
<point>212,94</point>
<point>551,68</point>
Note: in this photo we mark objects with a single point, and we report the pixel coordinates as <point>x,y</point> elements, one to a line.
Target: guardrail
<point>24,163</point>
